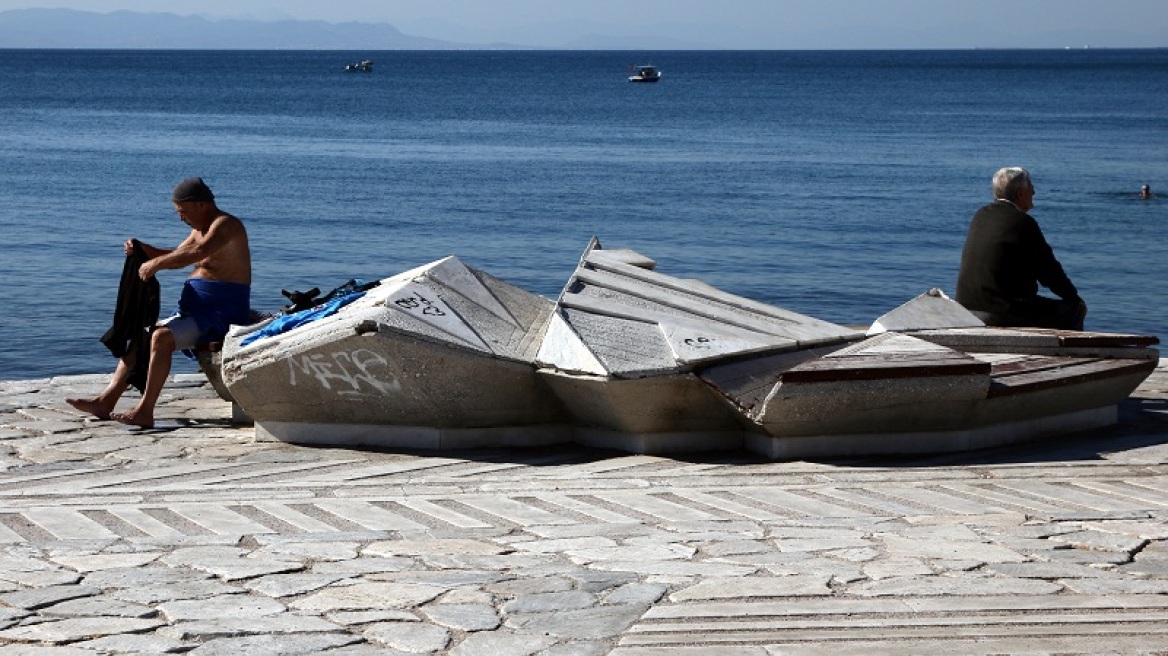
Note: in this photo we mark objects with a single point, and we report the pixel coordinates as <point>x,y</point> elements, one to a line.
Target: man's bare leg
<point>162,348</point>
<point>102,405</point>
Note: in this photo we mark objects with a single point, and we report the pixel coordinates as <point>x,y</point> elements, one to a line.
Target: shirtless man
<point>215,295</point>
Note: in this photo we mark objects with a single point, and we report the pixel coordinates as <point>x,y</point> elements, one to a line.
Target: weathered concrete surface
<point>439,348</point>
<point>202,539</point>
<point>933,309</point>
<point>624,339</point>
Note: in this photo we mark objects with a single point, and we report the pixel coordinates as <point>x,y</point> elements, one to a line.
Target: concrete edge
<point>970,439</point>
<point>411,437</point>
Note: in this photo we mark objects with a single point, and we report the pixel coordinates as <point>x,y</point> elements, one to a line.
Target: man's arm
<point>150,251</point>
<point>195,248</point>
<point>1049,271</point>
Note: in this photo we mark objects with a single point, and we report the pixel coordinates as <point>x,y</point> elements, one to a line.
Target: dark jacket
<point>1004,261</point>
<point>135,314</point>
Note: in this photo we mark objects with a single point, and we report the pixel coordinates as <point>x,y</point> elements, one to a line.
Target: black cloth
<point>1004,260</point>
<point>135,314</point>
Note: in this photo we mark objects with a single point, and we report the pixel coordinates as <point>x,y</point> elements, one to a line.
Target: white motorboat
<point>645,74</point>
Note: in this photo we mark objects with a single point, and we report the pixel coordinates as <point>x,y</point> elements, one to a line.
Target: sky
<point>719,23</point>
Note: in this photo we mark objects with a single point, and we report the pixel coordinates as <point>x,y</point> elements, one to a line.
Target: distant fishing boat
<point>363,66</point>
<point>645,74</point>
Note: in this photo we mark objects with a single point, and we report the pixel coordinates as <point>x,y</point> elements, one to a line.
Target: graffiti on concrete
<point>701,343</point>
<point>418,303</point>
<point>355,373</point>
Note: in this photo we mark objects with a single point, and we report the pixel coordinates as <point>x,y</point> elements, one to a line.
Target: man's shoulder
<point>1000,205</point>
<point>1001,209</point>
<point>228,221</point>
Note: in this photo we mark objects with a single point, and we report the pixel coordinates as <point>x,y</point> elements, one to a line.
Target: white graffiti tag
<point>348,374</point>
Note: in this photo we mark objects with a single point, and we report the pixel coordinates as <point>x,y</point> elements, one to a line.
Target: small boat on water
<point>446,356</point>
<point>363,66</point>
<point>645,74</point>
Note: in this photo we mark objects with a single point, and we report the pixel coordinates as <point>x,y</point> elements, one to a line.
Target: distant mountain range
<point>66,28</point>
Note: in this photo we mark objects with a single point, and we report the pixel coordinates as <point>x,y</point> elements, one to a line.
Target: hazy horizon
<point>727,24</point>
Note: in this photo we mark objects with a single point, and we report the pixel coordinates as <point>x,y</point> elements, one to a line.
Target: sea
<point>837,184</point>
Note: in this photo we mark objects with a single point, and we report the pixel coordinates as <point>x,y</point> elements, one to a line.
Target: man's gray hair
<point>1009,181</point>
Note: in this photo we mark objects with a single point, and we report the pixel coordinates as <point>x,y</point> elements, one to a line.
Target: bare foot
<point>134,417</point>
<point>91,406</point>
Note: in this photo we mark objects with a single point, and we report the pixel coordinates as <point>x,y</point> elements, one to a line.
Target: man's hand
<point>147,270</point>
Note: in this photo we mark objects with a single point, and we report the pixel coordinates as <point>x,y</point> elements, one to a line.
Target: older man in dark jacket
<point>1006,258</point>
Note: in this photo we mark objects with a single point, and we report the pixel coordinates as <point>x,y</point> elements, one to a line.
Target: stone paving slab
<point>203,540</point>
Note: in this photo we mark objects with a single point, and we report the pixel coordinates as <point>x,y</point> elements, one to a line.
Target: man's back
<point>230,259</point>
<point>1000,259</point>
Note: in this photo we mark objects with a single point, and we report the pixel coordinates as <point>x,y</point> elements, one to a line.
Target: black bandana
<point>192,190</point>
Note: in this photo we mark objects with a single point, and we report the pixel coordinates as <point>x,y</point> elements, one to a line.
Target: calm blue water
<point>837,184</point>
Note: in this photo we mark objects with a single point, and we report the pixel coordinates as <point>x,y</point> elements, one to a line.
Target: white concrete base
<point>676,404</point>
<point>775,448</point>
<point>412,437</point>
<point>239,415</point>
<point>659,443</point>
<point>984,437</point>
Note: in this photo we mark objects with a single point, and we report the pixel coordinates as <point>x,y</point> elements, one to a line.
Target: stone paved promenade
<point>201,540</point>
